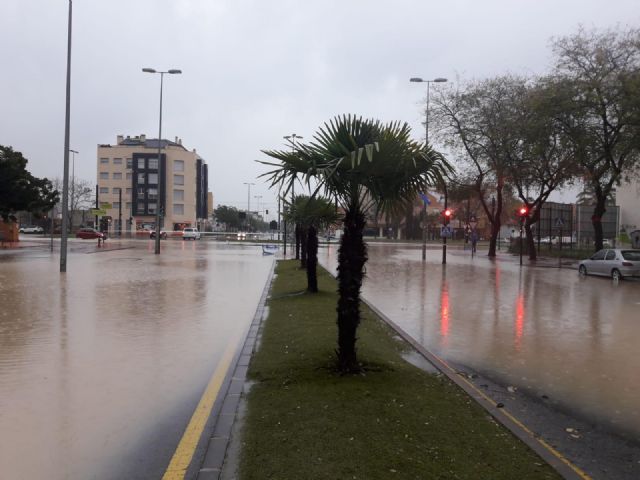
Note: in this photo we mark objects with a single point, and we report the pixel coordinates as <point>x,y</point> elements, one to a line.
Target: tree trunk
<point>312,259</point>
<point>596,220</point>
<point>531,245</point>
<point>298,234</point>
<point>303,232</point>
<point>495,217</point>
<point>351,259</point>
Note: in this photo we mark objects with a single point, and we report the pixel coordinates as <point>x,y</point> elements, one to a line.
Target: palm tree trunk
<point>298,235</point>
<point>303,232</point>
<point>312,259</point>
<point>351,259</point>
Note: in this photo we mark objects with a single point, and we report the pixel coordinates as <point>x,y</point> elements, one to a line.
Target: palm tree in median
<point>368,167</point>
<point>311,214</point>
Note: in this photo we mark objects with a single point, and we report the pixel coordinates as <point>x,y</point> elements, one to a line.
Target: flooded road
<point>547,331</point>
<point>101,368</point>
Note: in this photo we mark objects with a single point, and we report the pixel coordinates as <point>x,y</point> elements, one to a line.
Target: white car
<point>190,233</point>
<point>31,229</point>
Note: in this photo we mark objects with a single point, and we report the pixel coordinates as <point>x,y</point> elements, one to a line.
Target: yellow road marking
<point>181,459</point>
<point>552,450</point>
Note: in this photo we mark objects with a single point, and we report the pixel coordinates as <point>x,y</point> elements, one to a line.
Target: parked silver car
<point>612,262</point>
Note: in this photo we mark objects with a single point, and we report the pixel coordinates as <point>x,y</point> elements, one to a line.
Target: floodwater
<point>545,330</point>
<point>101,368</point>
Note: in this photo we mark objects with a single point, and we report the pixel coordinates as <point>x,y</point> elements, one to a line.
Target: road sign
<point>105,206</point>
<point>445,231</point>
<point>559,222</point>
<point>98,212</point>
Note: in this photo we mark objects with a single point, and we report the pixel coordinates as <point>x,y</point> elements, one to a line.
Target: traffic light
<point>447,214</point>
<point>523,213</point>
<point>266,212</point>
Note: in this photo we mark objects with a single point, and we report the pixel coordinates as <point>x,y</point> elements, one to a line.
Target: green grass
<point>305,421</point>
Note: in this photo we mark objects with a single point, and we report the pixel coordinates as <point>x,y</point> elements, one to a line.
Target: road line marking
<point>183,455</point>
<point>452,373</point>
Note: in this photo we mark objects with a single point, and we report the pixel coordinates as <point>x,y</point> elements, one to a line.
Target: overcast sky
<point>254,70</point>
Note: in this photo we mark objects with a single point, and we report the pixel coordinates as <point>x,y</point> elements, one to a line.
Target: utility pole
<point>248,203</point>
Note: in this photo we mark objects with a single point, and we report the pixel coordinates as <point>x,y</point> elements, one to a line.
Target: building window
<point>152,178</point>
<point>128,175</point>
<point>117,176</point>
<point>129,191</point>
<point>141,178</point>
<point>104,160</point>
<point>178,209</point>
<point>117,161</point>
<point>152,194</point>
<point>104,175</point>
<point>104,189</point>
<point>129,162</point>
<point>141,207</point>
<point>116,204</point>
<point>178,179</point>
<point>115,190</point>
<point>141,164</point>
<point>128,205</point>
<point>178,165</point>
<point>141,191</point>
<point>178,195</point>
<point>151,207</point>
<point>153,164</point>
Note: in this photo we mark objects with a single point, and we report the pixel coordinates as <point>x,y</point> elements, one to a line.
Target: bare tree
<point>542,160</point>
<point>81,196</point>
<point>597,81</point>
<point>477,121</point>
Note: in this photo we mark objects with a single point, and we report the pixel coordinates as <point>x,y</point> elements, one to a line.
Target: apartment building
<point>131,191</point>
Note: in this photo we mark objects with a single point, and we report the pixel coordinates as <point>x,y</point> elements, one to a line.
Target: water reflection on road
<point>546,330</point>
<point>99,365</point>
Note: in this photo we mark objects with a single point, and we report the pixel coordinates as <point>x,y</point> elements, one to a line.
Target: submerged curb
<point>225,409</point>
<point>558,462</point>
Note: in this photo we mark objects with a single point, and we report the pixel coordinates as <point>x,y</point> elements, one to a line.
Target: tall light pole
<point>248,203</point>
<point>73,182</point>
<point>258,197</point>
<point>426,124</point>
<point>160,171</point>
<point>65,175</point>
<point>292,138</point>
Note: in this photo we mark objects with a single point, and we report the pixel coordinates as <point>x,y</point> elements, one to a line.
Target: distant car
<point>163,234</point>
<point>241,235</point>
<point>31,229</point>
<point>190,233</point>
<point>90,233</point>
<point>615,263</point>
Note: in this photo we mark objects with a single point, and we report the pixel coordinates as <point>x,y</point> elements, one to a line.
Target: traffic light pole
<point>521,224</point>
<point>446,224</point>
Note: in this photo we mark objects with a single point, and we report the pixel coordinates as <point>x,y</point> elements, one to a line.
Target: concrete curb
<point>226,406</point>
<point>496,410</point>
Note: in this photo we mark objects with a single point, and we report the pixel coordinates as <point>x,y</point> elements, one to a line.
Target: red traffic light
<point>447,213</point>
<point>523,211</point>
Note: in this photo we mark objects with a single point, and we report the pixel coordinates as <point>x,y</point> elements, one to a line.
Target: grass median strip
<point>305,421</point>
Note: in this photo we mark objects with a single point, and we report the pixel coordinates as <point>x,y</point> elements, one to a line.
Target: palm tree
<point>366,166</point>
<point>310,214</point>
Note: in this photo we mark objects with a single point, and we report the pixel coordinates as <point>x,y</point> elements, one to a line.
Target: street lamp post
<point>65,175</point>
<point>160,171</point>
<point>248,203</point>
<point>424,203</point>
<point>73,184</point>
<point>292,139</point>
<point>258,197</point>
